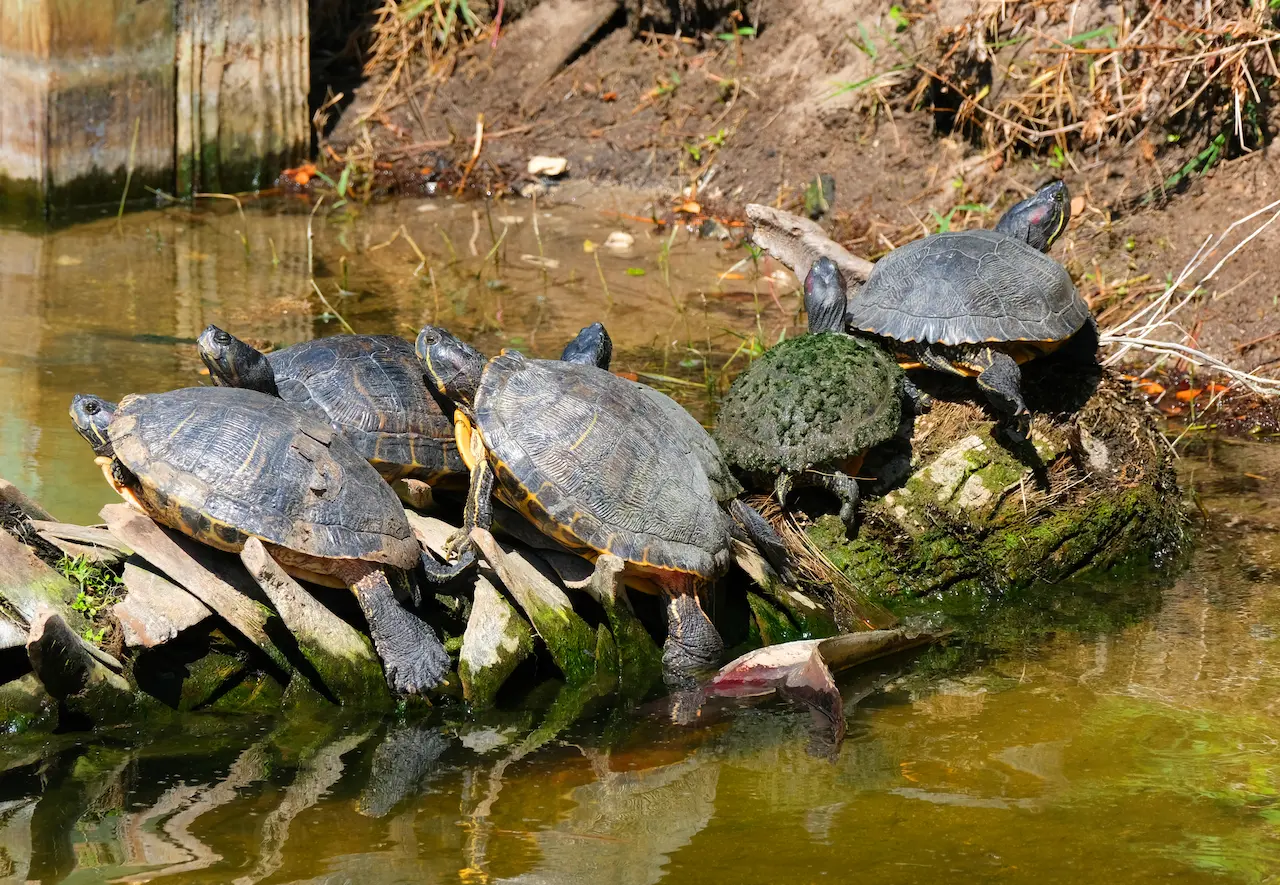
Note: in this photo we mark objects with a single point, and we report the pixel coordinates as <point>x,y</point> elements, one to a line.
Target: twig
<point>333,310</point>
<point>128,173</point>
<point>475,154</point>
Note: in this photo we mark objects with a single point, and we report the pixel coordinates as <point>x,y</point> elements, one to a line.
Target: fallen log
<point>154,610</point>
<point>496,640</point>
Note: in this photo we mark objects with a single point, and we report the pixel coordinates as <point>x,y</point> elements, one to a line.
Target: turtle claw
<point>456,544</point>
<point>412,656</point>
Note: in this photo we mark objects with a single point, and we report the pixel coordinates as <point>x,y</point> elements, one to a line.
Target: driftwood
<point>71,671</point>
<point>571,642</point>
<point>798,242</point>
<point>154,610</point>
<point>163,551</point>
<point>814,620</point>
<point>27,585</point>
<point>343,657</point>
<point>94,544</point>
<point>496,640</point>
<point>11,494</point>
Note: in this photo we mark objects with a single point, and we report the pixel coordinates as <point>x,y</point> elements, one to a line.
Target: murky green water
<point>1127,734</point>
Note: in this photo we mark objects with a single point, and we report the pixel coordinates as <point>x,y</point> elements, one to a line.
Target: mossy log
<point>496,640</point>
<point>978,518</point>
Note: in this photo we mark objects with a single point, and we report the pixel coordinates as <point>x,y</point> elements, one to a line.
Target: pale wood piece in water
<point>798,242</point>
<point>155,545</point>
<point>496,640</point>
<point>343,657</point>
<point>570,641</point>
<point>78,78</point>
<point>155,610</point>
<point>27,584</point>
<point>11,494</point>
<point>243,74</point>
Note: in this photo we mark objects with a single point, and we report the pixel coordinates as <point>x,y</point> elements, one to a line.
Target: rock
<point>27,585</point>
<point>343,658</point>
<point>175,556</point>
<point>619,241</point>
<point>571,642</point>
<point>550,167</point>
<point>71,672</point>
<point>496,640</point>
<point>154,610</point>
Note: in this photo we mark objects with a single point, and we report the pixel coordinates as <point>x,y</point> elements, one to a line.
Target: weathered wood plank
<point>155,610</point>
<point>243,74</point>
<point>26,584</point>
<point>11,494</point>
<point>73,673</point>
<point>82,534</point>
<point>798,242</point>
<point>496,640</point>
<point>155,544</point>
<point>343,657</point>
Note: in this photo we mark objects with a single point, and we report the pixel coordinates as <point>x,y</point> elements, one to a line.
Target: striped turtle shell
<point>968,287</point>
<point>594,461</point>
<point>222,464</point>
<point>370,388</point>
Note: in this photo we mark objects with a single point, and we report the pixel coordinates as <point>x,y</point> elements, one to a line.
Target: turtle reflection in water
<point>224,465</point>
<point>602,465</point>
<point>978,303</point>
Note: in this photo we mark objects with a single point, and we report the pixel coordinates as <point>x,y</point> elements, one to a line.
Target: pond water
<point>1121,730</point>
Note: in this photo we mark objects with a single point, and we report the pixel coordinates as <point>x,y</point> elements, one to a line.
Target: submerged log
<point>496,640</point>
<point>343,657</point>
<point>165,553</point>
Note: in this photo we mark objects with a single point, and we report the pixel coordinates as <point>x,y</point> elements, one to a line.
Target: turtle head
<point>1040,218</point>
<point>453,367</point>
<point>232,363</point>
<point>825,297</point>
<point>592,347</point>
<point>91,415</point>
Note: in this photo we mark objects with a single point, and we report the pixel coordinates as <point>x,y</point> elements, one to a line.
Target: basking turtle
<point>223,465</point>
<point>369,388</point>
<point>594,463</point>
<point>808,410</point>
<point>978,302</point>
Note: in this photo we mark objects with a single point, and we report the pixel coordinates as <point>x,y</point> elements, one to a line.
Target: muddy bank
<point>753,108</point>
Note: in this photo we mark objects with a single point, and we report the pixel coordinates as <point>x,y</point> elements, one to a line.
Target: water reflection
<point>115,308</point>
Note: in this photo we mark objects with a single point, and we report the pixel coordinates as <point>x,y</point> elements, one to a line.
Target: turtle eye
<point>92,408</point>
<point>222,338</point>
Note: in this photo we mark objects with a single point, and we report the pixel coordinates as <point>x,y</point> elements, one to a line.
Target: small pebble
<point>548,166</point>
<point>619,241</point>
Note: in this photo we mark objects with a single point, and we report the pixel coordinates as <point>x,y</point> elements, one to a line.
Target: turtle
<point>594,463</point>
<point>978,303</point>
<point>222,465</point>
<point>807,411</point>
<point>369,388</point>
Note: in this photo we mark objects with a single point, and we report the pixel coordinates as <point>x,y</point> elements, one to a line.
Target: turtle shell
<point>223,464</point>
<point>594,462</point>
<point>370,388</point>
<point>965,288</point>
<point>809,401</point>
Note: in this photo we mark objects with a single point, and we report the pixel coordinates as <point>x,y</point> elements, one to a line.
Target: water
<point>1130,736</point>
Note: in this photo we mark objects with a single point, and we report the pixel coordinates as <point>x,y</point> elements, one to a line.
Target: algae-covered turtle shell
<point>811,401</point>
<point>223,465</point>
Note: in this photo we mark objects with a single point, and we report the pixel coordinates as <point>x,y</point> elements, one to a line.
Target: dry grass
<point>417,37</point>
<point>1045,72</point>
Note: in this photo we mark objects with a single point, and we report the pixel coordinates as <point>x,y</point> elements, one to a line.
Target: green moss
<point>771,624</point>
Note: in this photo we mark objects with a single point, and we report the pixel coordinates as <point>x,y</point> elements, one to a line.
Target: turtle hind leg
<point>413,657</point>
<point>693,647</point>
<point>844,487</point>
<point>760,533</point>
<point>1000,379</point>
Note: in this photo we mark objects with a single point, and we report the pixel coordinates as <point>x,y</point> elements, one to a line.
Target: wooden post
<point>79,77</point>
<point>243,74</point>
<point>216,91</point>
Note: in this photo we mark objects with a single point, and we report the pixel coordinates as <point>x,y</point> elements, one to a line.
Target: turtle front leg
<point>412,656</point>
<point>844,487</point>
<point>1000,379</point>
<point>478,512</point>
<point>693,647</point>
